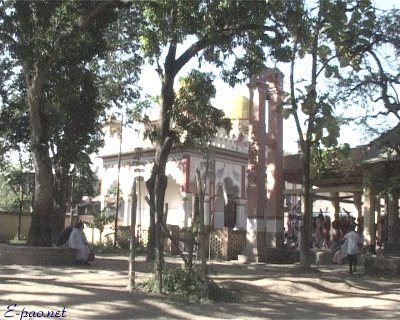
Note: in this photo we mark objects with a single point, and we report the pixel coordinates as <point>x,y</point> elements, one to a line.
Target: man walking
<point>353,240</point>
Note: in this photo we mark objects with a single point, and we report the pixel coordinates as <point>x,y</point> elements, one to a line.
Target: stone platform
<point>382,264</point>
<point>286,256</point>
<point>36,256</point>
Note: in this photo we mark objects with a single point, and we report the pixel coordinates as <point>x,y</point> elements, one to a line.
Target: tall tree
<point>176,32</point>
<point>42,38</point>
<point>374,84</point>
<point>194,123</point>
<point>320,37</point>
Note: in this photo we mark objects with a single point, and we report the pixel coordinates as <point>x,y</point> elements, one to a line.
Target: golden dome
<point>239,108</point>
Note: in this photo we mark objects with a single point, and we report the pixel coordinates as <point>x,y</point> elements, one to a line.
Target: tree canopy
<point>175,32</point>
<point>326,36</point>
<point>50,47</point>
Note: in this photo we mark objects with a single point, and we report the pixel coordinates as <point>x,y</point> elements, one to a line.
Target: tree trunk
<point>202,240</point>
<point>159,192</point>
<point>132,242</point>
<point>163,149</point>
<point>151,243</point>
<point>305,256</point>
<point>61,196</point>
<point>40,230</point>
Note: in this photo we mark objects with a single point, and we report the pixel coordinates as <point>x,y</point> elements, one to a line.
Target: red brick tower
<point>264,200</point>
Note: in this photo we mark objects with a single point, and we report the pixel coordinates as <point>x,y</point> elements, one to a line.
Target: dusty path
<point>262,292</point>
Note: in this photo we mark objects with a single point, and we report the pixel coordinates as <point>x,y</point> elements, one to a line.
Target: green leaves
<point>195,121</point>
<point>101,219</point>
<point>15,186</point>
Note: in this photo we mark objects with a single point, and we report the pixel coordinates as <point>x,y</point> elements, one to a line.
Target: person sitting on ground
<point>64,236</point>
<point>353,241</point>
<point>77,241</point>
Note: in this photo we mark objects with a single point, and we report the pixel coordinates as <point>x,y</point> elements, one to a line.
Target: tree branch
<point>190,53</point>
<point>293,98</point>
<point>325,64</point>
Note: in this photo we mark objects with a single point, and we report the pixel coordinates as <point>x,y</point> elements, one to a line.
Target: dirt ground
<point>262,291</point>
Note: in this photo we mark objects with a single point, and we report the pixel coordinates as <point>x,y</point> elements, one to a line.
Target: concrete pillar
<point>336,204</point>
<point>369,220</point>
<point>275,183</point>
<point>124,206</point>
<point>127,213</point>
<point>187,208</point>
<point>393,218</point>
<point>241,219</point>
<point>393,209</point>
<point>256,193</point>
<point>358,203</point>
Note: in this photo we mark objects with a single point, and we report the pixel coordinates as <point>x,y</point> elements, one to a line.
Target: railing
<point>226,243</point>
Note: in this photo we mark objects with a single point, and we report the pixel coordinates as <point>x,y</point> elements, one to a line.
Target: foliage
<point>327,37</point>
<point>337,159</point>
<point>194,120</point>
<point>174,33</point>
<point>84,182</point>
<point>123,237</point>
<point>100,220</point>
<point>109,248</point>
<point>15,187</point>
<point>183,282</point>
<point>118,69</point>
<point>375,82</point>
<point>374,87</point>
<point>55,53</point>
<point>17,241</point>
<point>113,190</point>
<point>187,284</point>
<point>383,178</point>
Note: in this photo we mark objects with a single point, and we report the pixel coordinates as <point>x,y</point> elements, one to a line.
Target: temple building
<point>252,188</point>
<point>238,196</point>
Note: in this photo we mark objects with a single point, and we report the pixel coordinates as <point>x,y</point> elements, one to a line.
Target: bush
<point>123,237</point>
<point>188,284</point>
<point>183,282</point>
<point>179,282</point>
<point>220,294</point>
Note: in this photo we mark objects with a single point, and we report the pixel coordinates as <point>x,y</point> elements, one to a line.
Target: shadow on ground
<point>262,292</point>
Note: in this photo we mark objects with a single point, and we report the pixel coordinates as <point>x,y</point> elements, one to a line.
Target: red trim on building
<point>186,173</point>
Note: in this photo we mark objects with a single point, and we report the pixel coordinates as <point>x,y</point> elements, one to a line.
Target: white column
<point>241,218</point>
<point>207,205</point>
<point>369,219</point>
<point>187,200</point>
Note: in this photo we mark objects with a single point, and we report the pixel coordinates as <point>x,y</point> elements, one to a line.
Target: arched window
<point>230,214</point>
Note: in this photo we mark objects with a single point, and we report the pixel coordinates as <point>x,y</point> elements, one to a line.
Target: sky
<point>225,94</point>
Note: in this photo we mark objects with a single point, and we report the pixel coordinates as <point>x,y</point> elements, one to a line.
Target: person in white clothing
<point>353,241</point>
<point>77,241</point>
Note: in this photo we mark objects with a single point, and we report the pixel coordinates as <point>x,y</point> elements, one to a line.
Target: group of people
<point>340,236</point>
<point>347,241</point>
<point>320,232</point>
<point>74,238</point>
<point>350,247</point>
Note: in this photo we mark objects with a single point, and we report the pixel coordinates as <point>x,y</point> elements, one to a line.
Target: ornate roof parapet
<point>234,142</point>
<point>131,138</point>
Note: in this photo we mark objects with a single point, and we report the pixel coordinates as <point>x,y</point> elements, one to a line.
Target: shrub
<point>188,284</point>
<point>123,237</point>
